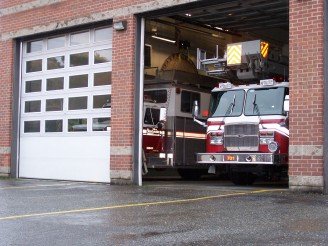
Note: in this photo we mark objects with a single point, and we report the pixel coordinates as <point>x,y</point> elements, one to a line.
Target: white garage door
<point>65,106</point>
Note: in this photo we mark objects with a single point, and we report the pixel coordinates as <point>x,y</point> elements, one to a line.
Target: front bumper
<point>241,158</point>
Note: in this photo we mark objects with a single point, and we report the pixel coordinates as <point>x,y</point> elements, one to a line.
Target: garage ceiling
<point>236,16</point>
<point>240,15</point>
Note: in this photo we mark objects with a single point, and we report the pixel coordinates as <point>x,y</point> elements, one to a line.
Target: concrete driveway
<point>34,212</point>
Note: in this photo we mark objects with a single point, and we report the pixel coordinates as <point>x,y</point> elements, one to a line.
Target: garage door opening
<point>191,51</point>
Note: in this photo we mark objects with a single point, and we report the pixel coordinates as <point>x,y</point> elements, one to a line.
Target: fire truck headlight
<point>161,155</point>
<point>273,146</point>
<point>216,140</point>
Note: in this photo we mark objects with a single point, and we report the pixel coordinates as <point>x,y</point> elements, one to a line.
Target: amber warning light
<point>264,49</point>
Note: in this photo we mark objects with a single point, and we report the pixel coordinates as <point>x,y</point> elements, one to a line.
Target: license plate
<point>230,158</point>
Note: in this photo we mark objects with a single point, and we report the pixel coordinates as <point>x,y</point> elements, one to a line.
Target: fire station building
<point>72,78</point>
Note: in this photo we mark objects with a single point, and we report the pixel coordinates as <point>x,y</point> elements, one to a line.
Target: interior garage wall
<point>306,94</point>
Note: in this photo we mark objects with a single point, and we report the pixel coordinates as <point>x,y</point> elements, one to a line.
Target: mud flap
<point>212,169</point>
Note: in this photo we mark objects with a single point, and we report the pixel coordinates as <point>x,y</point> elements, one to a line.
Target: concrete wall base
<point>4,171</point>
<point>306,183</point>
<point>120,177</point>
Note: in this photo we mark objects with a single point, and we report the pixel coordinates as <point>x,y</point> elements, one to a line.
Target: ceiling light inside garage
<point>164,39</point>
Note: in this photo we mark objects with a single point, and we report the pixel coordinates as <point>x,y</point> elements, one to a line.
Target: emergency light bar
<point>267,82</point>
<point>226,85</point>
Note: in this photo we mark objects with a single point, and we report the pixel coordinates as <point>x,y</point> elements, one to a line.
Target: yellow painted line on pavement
<point>144,204</point>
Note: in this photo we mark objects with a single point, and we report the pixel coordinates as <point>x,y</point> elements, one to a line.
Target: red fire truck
<point>247,130</point>
<point>170,137</point>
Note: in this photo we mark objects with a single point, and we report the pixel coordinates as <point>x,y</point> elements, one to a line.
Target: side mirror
<point>195,109</point>
<point>286,104</point>
<point>195,113</point>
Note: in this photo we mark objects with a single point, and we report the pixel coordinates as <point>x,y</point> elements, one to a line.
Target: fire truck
<point>170,137</point>
<point>247,130</point>
<point>247,125</point>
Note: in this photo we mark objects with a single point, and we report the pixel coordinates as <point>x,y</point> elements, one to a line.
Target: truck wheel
<point>242,178</point>
<point>190,174</point>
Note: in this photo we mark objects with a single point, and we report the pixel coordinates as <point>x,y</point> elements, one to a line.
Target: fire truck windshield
<point>265,101</point>
<point>152,116</point>
<point>227,103</point>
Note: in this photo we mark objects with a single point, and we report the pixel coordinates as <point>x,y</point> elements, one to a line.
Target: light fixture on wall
<point>163,38</point>
<point>119,25</point>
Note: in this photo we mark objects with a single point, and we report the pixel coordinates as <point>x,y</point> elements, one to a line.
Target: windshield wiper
<point>232,105</point>
<point>229,109</point>
<point>256,107</point>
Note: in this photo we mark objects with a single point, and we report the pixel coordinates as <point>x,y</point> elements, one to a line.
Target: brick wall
<point>306,88</point>
<point>6,77</point>
<point>10,3</point>
<point>61,11</point>
<point>306,74</point>
<point>123,87</point>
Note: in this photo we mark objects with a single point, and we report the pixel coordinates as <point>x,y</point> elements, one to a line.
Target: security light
<point>119,26</point>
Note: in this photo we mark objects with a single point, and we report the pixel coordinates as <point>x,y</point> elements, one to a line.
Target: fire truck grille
<point>241,137</point>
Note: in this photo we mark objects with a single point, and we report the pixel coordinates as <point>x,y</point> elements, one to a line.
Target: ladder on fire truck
<point>214,66</point>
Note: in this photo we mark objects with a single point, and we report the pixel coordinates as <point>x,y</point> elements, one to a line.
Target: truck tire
<point>243,178</point>
<point>190,174</point>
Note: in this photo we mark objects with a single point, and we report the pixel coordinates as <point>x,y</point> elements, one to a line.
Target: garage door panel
<point>65,158</point>
<point>65,107</point>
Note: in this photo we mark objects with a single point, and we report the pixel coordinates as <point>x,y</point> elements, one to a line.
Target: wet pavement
<point>35,212</point>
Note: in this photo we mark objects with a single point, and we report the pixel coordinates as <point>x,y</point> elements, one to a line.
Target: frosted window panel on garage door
<point>77,103</point>
<point>103,34</point>
<point>32,126</point>
<point>55,62</point>
<point>102,101</point>
<point>55,84</point>
<point>34,46</point>
<point>54,104</point>
<point>104,78</point>
<point>53,125</point>
<point>33,86</point>
<point>55,43</point>
<point>33,106</point>
<point>102,56</point>
<point>80,38</point>
<point>77,125</point>
<point>34,66</point>
<point>100,124</point>
<point>78,81</point>
<point>79,59</point>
